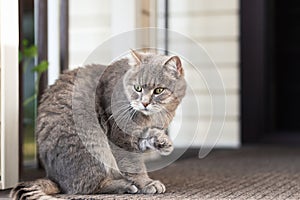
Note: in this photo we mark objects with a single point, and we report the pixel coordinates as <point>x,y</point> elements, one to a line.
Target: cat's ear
<point>174,63</point>
<point>136,56</point>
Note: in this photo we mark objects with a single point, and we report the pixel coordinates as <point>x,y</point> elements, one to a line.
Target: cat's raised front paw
<point>154,187</point>
<point>156,139</point>
<point>163,144</point>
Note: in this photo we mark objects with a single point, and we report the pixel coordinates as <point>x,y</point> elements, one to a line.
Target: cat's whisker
<point>118,117</point>
<point>117,104</point>
<point>121,107</point>
<point>112,115</point>
<point>109,118</point>
<point>127,116</point>
<point>121,111</point>
<point>132,113</point>
<point>124,116</point>
<point>126,131</point>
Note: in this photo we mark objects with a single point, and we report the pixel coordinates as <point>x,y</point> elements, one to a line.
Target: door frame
<point>253,69</point>
<point>9,31</point>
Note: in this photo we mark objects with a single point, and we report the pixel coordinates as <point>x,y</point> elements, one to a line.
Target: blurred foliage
<point>28,54</point>
<point>28,57</point>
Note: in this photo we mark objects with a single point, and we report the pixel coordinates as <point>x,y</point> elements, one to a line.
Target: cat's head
<point>155,83</point>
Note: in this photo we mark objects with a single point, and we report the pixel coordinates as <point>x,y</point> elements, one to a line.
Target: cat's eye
<point>137,88</point>
<point>158,90</point>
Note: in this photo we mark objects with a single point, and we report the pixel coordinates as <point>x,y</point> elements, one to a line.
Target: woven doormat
<point>248,173</point>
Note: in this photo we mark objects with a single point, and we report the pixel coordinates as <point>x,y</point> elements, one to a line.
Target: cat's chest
<point>149,122</point>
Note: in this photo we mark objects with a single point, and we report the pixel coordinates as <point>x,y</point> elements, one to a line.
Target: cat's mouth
<point>146,111</point>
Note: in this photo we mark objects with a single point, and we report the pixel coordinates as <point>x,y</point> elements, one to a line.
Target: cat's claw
<point>132,189</point>
<point>154,187</point>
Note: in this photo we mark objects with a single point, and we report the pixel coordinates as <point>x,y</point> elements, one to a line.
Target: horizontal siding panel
<point>201,106</point>
<point>219,52</point>
<point>191,135</point>
<point>87,41</point>
<point>87,7</point>
<point>90,21</point>
<point>222,51</point>
<point>90,30</point>
<point>202,5</point>
<point>209,65</point>
<point>227,65</point>
<point>206,26</point>
<point>78,55</point>
<point>79,58</point>
<point>197,79</point>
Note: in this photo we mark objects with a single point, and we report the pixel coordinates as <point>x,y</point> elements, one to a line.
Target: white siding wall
<point>90,25</point>
<point>215,25</point>
<point>92,22</point>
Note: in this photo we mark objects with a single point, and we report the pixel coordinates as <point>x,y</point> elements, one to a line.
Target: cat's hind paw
<point>154,187</point>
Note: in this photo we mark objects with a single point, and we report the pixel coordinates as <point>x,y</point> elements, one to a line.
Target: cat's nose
<point>145,104</point>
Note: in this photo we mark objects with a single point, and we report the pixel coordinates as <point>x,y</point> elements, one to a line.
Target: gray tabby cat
<point>95,122</point>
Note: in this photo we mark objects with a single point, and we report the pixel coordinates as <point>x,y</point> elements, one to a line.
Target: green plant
<point>28,54</point>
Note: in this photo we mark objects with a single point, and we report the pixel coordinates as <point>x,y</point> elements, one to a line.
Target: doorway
<point>270,51</point>
<point>287,65</point>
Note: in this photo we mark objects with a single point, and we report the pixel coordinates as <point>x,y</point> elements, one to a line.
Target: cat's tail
<point>38,189</point>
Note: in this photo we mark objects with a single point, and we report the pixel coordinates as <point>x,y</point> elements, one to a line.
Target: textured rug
<point>248,173</point>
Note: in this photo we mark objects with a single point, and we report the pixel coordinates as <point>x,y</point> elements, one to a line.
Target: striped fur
<point>40,189</point>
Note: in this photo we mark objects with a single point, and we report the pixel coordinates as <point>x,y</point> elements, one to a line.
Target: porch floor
<point>262,172</point>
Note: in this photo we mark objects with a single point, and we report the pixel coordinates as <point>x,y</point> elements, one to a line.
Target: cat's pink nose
<point>145,104</point>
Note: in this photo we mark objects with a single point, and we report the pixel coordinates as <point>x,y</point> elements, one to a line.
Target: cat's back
<point>55,107</point>
<point>58,96</point>
<point>74,91</point>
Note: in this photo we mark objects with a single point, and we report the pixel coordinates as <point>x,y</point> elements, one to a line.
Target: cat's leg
<point>145,184</point>
<point>133,168</point>
<point>131,163</point>
<point>155,139</point>
<point>115,181</point>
